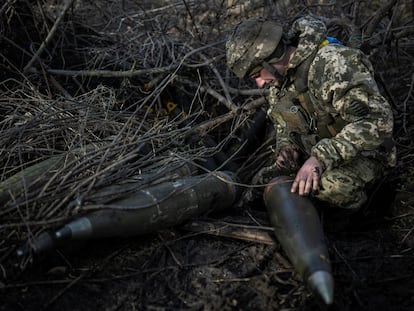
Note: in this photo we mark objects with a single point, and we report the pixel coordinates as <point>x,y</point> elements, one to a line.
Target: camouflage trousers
<point>346,185</point>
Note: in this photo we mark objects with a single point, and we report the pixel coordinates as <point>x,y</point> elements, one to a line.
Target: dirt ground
<point>175,269</point>
<point>178,268</point>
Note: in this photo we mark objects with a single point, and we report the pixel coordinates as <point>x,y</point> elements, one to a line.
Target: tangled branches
<point>103,93</point>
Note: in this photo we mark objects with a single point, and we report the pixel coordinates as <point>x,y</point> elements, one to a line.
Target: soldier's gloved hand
<point>308,177</point>
<point>287,159</point>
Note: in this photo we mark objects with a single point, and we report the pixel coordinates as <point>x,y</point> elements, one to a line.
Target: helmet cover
<point>251,43</point>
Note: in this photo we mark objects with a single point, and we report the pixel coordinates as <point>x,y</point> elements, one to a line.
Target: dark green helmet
<point>252,42</point>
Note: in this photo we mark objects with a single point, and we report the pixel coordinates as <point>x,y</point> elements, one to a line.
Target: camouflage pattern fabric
<point>310,32</point>
<point>345,186</point>
<point>342,78</point>
<point>341,84</point>
<point>251,43</point>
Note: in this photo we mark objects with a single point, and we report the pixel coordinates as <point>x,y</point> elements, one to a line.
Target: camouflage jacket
<point>339,84</point>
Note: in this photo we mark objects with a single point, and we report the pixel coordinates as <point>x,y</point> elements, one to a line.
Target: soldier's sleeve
<point>342,81</point>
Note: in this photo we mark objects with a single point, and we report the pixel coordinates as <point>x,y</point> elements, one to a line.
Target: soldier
<point>333,127</point>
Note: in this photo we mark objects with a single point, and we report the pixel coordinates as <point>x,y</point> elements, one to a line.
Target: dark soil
<point>372,261</point>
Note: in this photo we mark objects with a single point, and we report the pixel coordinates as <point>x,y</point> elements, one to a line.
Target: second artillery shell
<point>298,228</point>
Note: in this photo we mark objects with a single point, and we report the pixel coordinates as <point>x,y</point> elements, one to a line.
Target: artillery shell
<point>298,228</point>
<point>147,210</point>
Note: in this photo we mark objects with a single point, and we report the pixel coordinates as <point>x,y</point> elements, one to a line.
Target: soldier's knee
<point>347,201</point>
<point>342,191</point>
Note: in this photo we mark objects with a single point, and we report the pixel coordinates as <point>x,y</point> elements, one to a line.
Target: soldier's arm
<point>346,85</point>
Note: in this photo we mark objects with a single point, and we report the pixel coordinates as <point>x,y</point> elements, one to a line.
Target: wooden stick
<point>203,128</point>
<point>224,229</point>
<point>111,73</point>
<point>372,25</point>
<point>49,36</point>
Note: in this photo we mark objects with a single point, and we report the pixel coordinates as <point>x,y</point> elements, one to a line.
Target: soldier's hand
<point>287,159</point>
<point>308,177</point>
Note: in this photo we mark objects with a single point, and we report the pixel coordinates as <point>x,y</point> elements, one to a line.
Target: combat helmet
<point>253,42</point>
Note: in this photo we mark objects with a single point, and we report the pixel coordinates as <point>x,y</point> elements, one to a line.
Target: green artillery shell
<point>299,231</point>
<point>148,210</point>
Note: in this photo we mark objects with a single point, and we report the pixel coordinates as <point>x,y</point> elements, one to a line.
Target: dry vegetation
<point>102,93</point>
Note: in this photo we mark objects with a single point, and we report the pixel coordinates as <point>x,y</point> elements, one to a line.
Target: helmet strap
<point>281,78</point>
